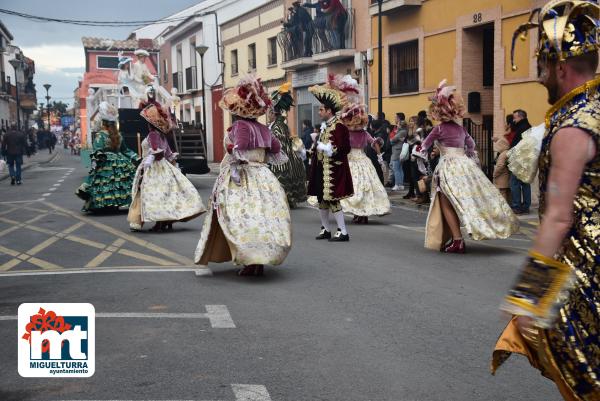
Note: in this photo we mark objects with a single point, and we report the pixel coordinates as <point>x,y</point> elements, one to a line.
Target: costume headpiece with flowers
<point>248,99</point>
<point>282,98</point>
<point>108,112</point>
<point>354,116</point>
<point>566,28</point>
<point>123,60</point>
<point>334,93</point>
<point>157,117</point>
<point>446,103</point>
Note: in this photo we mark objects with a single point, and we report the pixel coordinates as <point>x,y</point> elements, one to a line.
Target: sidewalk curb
<point>29,165</point>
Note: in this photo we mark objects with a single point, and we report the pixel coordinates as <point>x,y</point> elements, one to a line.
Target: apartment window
<point>251,57</point>
<point>272,48</point>
<point>193,52</point>
<point>108,62</point>
<point>404,67</point>
<point>234,62</point>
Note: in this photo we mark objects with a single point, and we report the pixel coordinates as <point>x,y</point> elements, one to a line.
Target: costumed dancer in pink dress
<point>249,221</point>
<point>460,190</point>
<point>370,197</point>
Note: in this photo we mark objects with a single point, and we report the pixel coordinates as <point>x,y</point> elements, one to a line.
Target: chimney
<point>145,44</point>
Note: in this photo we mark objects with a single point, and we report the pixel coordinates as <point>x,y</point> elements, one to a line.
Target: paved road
<point>378,318</point>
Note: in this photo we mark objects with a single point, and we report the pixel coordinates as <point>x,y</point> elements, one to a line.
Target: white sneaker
<point>398,188</point>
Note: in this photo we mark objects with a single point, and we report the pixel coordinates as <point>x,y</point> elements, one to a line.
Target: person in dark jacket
<point>521,191</point>
<point>14,145</point>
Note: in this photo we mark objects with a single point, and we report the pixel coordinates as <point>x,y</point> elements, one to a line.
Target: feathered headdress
<point>566,28</point>
<point>331,94</point>
<point>282,98</point>
<point>446,103</point>
<point>248,99</point>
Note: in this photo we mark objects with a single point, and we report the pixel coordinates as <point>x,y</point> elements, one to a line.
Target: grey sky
<point>58,60</point>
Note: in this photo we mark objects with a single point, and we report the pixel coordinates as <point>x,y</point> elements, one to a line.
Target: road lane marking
<point>46,194</point>
<point>217,315</point>
<point>242,392</point>
<point>135,240</point>
<point>116,269</point>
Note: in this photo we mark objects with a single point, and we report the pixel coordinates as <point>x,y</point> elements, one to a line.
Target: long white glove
<point>148,161</point>
<point>325,148</point>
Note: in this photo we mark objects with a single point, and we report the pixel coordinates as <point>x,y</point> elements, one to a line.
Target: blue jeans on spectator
<point>518,188</point>
<point>12,161</point>
<point>398,172</point>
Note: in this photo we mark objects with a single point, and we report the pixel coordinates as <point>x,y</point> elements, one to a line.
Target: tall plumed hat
<point>446,103</point>
<point>566,28</point>
<point>282,98</point>
<point>248,99</point>
<point>157,117</point>
<point>108,112</point>
<point>333,93</point>
<point>354,116</point>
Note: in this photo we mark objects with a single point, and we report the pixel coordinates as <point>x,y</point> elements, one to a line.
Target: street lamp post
<point>379,65</point>
<point>41,119</point>
<point>201,50</point>
<point>16,63</point>
<point>47,86</point>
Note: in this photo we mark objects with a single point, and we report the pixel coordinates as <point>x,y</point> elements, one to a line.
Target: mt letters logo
<point>56,340</point>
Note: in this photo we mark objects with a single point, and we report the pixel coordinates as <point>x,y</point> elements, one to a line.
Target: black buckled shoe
<point>324,234</point>
<point>339,237</point>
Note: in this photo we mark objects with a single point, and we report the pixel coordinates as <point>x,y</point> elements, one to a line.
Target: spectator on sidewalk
<point>520,191</point>
<point>410,166</point>
<point>307,129</point>
<point>397,140</point>
<point>424,123</point>
<point>14,145</point>
<point>501,173</point>
<point>509,129</point>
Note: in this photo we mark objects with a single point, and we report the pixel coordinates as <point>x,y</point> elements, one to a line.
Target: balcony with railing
<point>178,82</point>
<point>334,42</point>
<point>392,6</point>
<point>191,82</point>
<point>305,42</point>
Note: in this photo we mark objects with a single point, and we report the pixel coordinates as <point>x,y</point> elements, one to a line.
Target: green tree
<point>59,107</point>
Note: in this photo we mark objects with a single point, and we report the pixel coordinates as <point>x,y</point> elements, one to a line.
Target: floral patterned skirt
<point>370,197</point>
<point>165,194</point>
<point>477,202</point>
<point>250,223</point>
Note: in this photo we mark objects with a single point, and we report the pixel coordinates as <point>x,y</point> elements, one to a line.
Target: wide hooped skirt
<point>162,193</point>
<point>478,203</point>
<point>370,197</point>
<point>249,223</point>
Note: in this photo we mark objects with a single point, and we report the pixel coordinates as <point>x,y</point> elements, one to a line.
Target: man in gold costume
<point>556,300</point>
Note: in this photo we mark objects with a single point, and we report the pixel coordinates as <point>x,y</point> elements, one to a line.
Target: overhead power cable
<point>91,22</point>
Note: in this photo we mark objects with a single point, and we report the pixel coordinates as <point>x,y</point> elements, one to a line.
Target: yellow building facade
<point>250,47</point>
<point>467,42</point>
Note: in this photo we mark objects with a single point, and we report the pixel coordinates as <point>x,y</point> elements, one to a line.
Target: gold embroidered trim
<point>593,84</point>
